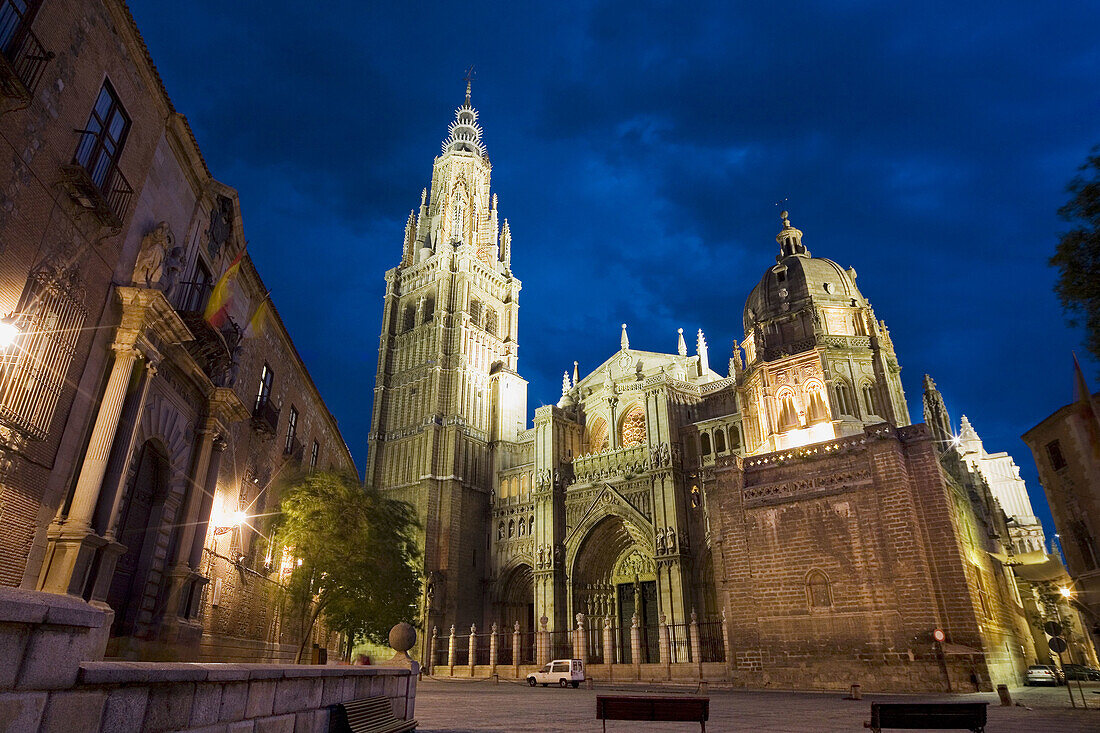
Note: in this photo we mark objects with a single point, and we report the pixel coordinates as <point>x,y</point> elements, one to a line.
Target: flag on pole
<point>217,309</point>
<point>256,322</point>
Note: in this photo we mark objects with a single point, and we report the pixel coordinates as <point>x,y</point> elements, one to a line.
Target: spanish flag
<point>217,308</point>
<point>256,322</point>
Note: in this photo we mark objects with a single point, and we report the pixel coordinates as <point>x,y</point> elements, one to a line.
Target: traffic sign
<point>1057,644</point>
<point>1053,628</point>
<point>938,635</point>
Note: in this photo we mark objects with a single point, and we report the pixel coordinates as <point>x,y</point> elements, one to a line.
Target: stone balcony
<point>611,463</point>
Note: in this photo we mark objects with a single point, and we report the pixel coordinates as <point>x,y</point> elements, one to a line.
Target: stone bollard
<point>402,639</point>
<point>696,645</point>
<point>580,641</point>
<point>542,647</point>
<point>1005,695</point>
<point>856,692</point>
<point>515,648</point>
<point>473,648</point>
<point>608,645</point>
<point>430,666</point>
<point>636,646</point>
<point>451,653</point>
<point>664,644</point>
<point>493,651</point>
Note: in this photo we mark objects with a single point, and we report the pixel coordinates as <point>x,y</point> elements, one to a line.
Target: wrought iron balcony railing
<point>22,57</point>
<point>96,183</point>
<point>265,417</point>
<point>294,449</point>
<point>213,346</point>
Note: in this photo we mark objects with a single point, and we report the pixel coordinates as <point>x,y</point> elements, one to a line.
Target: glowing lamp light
<point>938,635</point>
<point>224,521</point>
<point>1066,592</point>
<point>8,333</point>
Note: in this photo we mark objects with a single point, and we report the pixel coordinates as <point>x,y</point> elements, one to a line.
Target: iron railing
<point>20,48</point>
<point>265,417</point>
<point>712,647</point>
<point>97,181</point>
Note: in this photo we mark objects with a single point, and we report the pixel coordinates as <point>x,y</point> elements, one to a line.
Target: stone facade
<point>139,432</point>
<point>790,493</point>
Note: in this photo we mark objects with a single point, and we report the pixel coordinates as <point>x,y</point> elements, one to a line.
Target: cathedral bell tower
<point>447,391</point>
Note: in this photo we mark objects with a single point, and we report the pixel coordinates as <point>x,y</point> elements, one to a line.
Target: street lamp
<point>1066,592</point>
<point>8,332</point>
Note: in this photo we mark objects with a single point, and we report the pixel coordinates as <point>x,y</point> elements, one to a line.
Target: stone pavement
<point>454,706</point>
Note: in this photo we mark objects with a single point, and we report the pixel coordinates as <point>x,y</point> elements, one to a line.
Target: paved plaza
<point>464,705</point>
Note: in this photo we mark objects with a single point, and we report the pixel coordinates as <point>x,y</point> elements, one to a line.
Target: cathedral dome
<point>798,278</point>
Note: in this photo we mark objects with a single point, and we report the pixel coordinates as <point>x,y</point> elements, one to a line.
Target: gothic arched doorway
<point>613,578</point>
<point>517,600</point>
<point>137,529</point>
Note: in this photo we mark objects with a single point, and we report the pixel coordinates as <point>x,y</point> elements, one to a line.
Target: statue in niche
<point>221,226</point>
<point>149,270</point>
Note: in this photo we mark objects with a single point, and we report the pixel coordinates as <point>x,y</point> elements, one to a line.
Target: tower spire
<point>464,134</point>
<point>790,238</point>
<point>624,341</point>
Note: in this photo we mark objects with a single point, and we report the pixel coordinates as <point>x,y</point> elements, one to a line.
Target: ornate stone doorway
<point>517,600</point>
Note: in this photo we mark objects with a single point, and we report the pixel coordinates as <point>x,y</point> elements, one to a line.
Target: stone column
<point>664,644</point>
<point>72,539</point>
<point>431,649</point>
<point>516,640</point>
<point>542,647</point>
<point>608,644</point>
<point>726,640</point>
<point>696,645</point>
<point>493,650</point>
<point>636,646</point>
<point>580,641</point>
<point>451,652</point>
<point>473,648</point>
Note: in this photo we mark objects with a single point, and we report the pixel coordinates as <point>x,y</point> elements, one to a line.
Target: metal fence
<point>712,646</point>
<point>679,642</point>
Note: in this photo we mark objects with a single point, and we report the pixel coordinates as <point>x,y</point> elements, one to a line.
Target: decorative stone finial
<point>624,341</point>
<point>681,345</point>
<point>785,216</point>
<point>576,377</point>
<point>402,637</point>
<point>564,383</point>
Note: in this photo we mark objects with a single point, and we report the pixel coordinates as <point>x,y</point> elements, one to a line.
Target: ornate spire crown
<point>790,238</point>
<point>464,134</point>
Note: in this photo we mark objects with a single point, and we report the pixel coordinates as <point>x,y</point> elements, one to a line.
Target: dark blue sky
<point>639,150</point>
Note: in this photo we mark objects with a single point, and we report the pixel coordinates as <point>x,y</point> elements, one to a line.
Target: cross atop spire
<point>468,78</point>
<point>464,134</point>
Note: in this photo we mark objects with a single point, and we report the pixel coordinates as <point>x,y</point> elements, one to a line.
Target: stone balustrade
<point>610,463</point>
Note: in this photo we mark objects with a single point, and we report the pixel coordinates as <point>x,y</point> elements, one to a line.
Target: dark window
<point>818,592</point>
<point>101,142</point>
<point>291,428</point>
<point>198,291</point>
<point>313,455</point>
<point>704,441</point>
<point>15,15</point>
<point>265,387</point>
<point>409,321</point>
<point>1054,452</point>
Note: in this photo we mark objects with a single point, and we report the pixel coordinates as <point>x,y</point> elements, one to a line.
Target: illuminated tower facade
<point>447,392</point>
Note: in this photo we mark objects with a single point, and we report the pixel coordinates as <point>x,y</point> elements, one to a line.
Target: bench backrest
<point>932,715</point>
<point>363,714</point>
<point>621,707</point>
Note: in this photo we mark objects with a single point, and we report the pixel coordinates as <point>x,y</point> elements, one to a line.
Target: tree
<point>354,551</point>
<point>1077,257</point>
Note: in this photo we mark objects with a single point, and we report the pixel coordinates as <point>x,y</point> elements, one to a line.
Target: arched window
<point>511,528</point>
<point>597,435</point>
<point>704,444</point>
<point>788,413</point>
<point>844,399</point>
<point>735,438</point>
<point>869,401</point>
<point>410,318</point>
<point>491,321</point>
<point>816,411</point>
<point>719,441</point>
<point>524,484</point>
<point>818,593</point>
<point>633,432</point>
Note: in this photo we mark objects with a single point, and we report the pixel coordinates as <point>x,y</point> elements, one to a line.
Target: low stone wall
<point>52,679</point>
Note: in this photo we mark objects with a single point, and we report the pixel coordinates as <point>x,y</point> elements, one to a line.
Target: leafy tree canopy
<point>1077,257</point>
<point>356,549</point>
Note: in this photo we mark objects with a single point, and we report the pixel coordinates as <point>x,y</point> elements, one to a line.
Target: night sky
<point>639,153</point>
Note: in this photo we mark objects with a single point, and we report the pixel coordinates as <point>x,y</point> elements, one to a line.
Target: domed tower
<point>818,364</point>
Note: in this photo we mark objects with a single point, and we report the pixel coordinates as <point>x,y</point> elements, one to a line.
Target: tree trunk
<point>305,635</point>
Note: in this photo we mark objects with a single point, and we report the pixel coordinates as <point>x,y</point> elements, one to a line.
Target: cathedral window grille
<point>597,436</point>
<point>818,592</point>
<point>32,369</point>
<point>491,322</point>
<point>633,431</point>
<point>719,441</point>
<point>475,311</point>
<point>704,444</point>
<point>844,399</point>
<point>788,413</point>
<point>869,401</point>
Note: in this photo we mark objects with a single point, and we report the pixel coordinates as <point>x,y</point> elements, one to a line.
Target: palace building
<point>790,497</point>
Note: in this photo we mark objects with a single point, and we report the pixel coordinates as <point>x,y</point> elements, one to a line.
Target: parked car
<point>562,672</point>
<point>1041,674</point>
<point>1081,672</point>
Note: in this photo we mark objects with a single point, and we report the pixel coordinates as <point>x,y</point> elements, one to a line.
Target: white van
<point>562,672</point>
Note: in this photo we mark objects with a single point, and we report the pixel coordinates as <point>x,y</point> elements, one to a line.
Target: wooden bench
<point>629,707</point>
<point>928,716</point>
<point>369,715</point>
